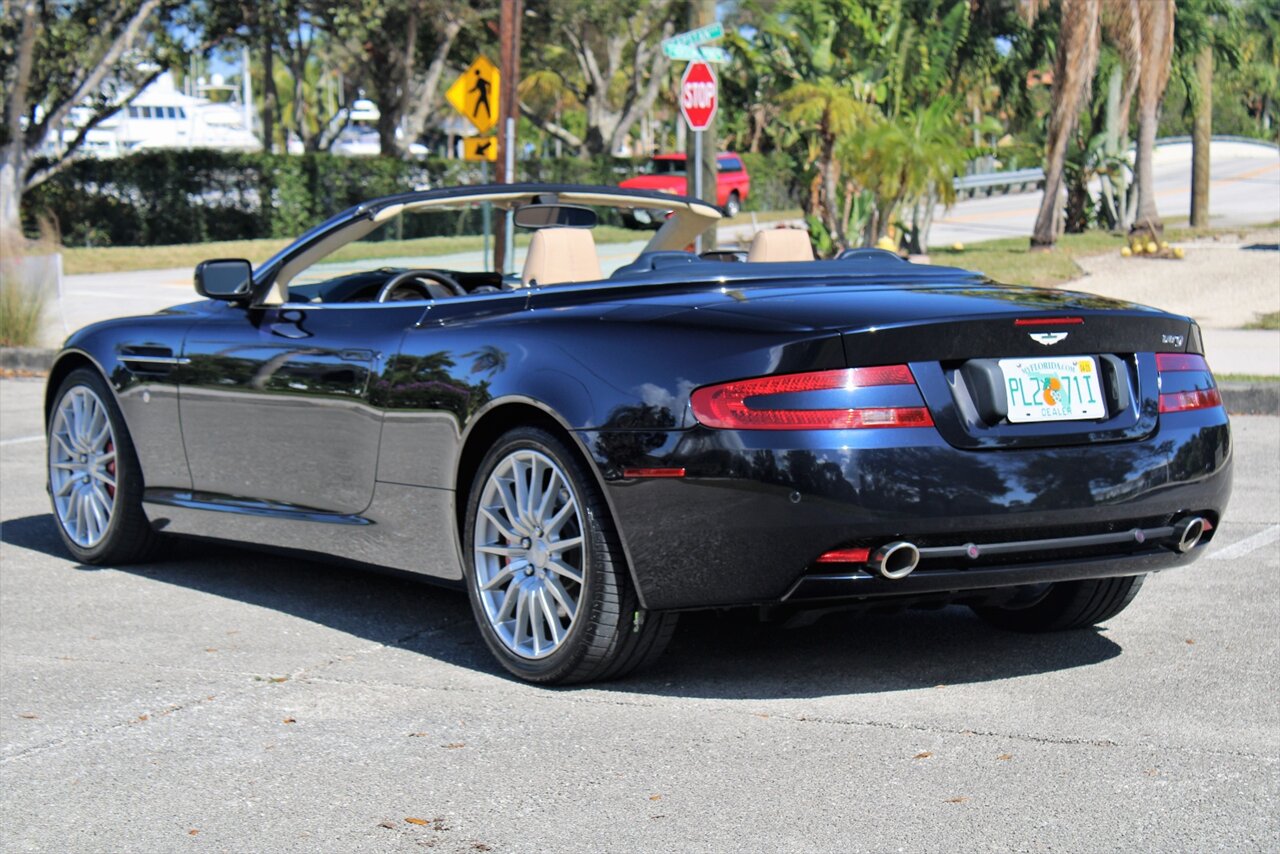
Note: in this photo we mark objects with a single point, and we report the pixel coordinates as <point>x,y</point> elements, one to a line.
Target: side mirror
<point>224,278</point>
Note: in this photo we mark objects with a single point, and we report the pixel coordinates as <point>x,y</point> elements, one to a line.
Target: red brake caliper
<point>111,469</point>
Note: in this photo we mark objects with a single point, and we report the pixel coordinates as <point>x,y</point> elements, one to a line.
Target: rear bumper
<point>757,508</point>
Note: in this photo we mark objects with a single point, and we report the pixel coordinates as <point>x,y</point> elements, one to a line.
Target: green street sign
<point>693,53</point>
<point>709,33</point>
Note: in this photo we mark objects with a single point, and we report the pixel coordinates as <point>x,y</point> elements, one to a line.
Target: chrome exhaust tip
<point>894,560</point>
<point>1188,532</point>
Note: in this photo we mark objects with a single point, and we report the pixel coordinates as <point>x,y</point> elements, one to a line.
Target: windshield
<point>666,167</point>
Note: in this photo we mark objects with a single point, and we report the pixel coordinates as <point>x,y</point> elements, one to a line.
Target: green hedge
<point>775,183</point>
<point>200,195</point>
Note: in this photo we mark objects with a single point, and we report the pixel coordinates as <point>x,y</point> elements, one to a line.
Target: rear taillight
<point>1186,383</point>
<point>736,405</point>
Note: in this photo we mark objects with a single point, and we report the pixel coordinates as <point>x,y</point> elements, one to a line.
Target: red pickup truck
<point>667,174</point>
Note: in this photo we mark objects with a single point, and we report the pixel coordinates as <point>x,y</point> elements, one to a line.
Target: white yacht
<point>162,116</point>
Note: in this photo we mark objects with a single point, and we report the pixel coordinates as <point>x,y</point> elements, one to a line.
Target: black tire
<point>1067,605</point>
<point>128,536</point>
<point>611,635</point>
<point>733,205</point>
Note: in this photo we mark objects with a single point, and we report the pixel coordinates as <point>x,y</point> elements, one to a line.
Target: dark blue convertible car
<point>611,434</point>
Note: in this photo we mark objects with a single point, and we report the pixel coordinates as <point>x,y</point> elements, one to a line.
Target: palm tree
<point>831,111</point>
<point>1156,22</point>
<point>912,157</point>
<point>1074,65</point>
<point>1143,32</point>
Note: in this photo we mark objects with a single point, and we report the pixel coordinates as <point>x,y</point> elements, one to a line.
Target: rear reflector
<point>1196,398</point>
<point>1048,321</point>
<point>724,406</point>
<point>671,472</point>
<point>1181,401</point>
<point>845,556</point>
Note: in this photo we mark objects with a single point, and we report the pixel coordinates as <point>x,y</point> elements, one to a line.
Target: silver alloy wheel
<point>82,466</point>
<point>529,555</point>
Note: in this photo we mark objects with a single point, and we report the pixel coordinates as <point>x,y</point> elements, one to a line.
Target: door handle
<point>357,355</point>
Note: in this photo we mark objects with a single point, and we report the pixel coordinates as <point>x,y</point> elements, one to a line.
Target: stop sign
<point>698,95</point>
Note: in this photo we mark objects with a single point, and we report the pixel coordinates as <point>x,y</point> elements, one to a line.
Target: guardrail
<point>1026,180</point>
<point>1017,181</point>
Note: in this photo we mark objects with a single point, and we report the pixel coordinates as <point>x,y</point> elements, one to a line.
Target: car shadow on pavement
<point>725,655</point>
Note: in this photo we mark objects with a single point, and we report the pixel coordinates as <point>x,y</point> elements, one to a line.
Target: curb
<point>1251,398</point>
<point>30,359</point>
<point>1262,398</point>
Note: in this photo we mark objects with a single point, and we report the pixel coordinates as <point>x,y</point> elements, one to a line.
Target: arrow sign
<point>698,98</point>
<point>692,53</point>
<point>709,33</point>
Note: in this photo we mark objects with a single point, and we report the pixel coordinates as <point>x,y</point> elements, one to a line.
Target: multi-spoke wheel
<point>528,554</point>
<point>94,480</point>
<point>82,466</point>
<point>547,579</point>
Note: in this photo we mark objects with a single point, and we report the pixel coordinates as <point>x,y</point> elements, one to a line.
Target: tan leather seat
<point>561,255</point>
<point>781,244</point>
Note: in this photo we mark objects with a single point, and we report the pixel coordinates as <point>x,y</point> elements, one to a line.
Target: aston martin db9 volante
<point>589,455</point>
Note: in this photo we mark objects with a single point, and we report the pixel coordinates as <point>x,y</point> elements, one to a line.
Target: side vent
<point>150,360</point>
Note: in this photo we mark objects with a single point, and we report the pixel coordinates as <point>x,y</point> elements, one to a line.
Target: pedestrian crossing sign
<point>480,148</point>
<point>475,94</point>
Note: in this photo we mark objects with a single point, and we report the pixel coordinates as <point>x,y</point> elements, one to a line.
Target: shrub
<point>26,279</point>
<point>200,195</point>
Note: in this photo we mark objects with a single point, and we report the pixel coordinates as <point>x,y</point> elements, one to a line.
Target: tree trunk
<point>1157,51</point>
<point>10,192</point>
<point>270,100</point>
<point>1202,131</point>
<point>1073,68</point>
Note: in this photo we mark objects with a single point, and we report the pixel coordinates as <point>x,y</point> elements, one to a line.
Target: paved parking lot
<point>225,701</point>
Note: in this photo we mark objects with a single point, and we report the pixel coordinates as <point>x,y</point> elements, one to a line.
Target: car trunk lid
<point>966,342</point>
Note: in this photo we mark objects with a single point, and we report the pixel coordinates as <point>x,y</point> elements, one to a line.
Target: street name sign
<point>693,52</point>
<point>709,33</point>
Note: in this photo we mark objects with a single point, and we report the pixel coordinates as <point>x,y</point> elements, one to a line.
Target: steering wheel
<point>412,282</point>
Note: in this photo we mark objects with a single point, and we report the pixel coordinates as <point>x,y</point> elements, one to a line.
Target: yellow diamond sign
<point>475,94</point>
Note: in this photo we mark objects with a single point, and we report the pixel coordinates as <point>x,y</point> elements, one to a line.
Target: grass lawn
<point>1010,259</point>
<point>1270,320</point>
<point>116,259</point>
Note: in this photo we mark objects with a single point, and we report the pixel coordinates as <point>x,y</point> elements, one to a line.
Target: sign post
<point>475,95</point>
<point>698,102</point>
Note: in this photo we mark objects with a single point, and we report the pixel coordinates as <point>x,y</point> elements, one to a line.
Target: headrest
<point>781,244</point>
<point>560,255</point>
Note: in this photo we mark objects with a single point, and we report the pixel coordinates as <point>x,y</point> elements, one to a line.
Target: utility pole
<point>702,13</point>
<point>509,20</point>
<point>1201,138</point>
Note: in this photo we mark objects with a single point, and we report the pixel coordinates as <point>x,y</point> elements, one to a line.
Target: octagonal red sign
<point>698,98</point>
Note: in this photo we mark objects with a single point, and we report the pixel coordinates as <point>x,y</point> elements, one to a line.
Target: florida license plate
<point>1058,389</point>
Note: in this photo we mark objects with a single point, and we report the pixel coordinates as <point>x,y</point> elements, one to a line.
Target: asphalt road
<point>224,701</point>
<point>1244,189</point>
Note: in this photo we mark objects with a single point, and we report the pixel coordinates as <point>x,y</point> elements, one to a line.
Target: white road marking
<point>1265,537</point>
<point>21,440</point>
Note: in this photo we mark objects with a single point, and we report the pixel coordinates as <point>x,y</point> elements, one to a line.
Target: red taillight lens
<point>1181,401</point>
<point>1187,399</point>
<point>725,406</point>
<point>1180,362</point>
<point>1048,321</point>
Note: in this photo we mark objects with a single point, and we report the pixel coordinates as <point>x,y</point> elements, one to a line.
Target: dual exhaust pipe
<point>899,559</point>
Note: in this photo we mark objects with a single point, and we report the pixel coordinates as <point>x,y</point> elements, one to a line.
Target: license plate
<point>1058,389</point>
